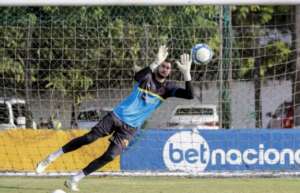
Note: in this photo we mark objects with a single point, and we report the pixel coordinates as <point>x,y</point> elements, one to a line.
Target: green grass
<point>153,185</point>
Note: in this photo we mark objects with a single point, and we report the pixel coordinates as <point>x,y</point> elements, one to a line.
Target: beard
<point>160,76</point>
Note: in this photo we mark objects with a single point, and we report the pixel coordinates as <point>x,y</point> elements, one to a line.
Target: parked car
<point>13,114</point>
<point>89,117</point>
<point>194,116</point>
<point>283,116</point>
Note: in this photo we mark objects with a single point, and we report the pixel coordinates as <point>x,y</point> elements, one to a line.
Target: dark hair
<point>169,60</point>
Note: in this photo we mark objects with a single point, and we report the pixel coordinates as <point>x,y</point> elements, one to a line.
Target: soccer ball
<point>201,53</point>
<point>58,191</point>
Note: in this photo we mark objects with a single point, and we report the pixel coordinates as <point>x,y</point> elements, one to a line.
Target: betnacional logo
<point>190,152</point>
<point>186,151</point>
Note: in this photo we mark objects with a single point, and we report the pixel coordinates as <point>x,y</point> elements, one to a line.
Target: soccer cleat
<point>71,185</point>
<point>42,165</point>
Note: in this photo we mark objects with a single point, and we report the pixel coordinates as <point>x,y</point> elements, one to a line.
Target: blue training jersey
<point>147,95</point>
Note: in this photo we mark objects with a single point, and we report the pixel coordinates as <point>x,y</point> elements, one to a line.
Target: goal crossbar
<point>144,2</point>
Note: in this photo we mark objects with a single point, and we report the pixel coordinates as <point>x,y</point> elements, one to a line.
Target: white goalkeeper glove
<point>185,66</point>
<point>160,57</point>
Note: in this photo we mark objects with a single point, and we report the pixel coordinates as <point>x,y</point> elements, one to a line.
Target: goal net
<point>63,68</point>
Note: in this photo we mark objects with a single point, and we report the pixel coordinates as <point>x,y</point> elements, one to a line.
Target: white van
<point>13,114</point>
<point>204,116</point>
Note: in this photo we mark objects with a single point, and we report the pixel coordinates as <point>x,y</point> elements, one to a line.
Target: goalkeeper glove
<point>160,57</point>
<point>185,66</point>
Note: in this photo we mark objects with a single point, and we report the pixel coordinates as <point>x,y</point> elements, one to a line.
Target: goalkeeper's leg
<point>102,129</point>
<point>112,151</point>
<point>119,141</point>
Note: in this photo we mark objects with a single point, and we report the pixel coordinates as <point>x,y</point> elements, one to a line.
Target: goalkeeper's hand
<point>185,66</point>
<point>160,57</point>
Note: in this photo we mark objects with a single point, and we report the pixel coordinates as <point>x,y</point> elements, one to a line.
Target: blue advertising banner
<point>206,150</point>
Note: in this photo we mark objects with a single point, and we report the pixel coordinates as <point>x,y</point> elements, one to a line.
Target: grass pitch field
<point>153,185</point>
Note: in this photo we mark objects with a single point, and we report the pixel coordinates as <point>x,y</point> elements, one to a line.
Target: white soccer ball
<point>58,191</point>
<point>201,53</point>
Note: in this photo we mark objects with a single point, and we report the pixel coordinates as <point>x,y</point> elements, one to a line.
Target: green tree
<point>262,55</point>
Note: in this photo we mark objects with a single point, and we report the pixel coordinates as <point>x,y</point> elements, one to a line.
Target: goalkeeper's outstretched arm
<point>142,74</point>
<point>185,67</point>
<point>186,93</point>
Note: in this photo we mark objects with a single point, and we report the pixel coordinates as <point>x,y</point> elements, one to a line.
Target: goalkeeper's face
<point>164,69</point>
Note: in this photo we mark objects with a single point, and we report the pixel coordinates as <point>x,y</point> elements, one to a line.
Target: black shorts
<point>121,132</point>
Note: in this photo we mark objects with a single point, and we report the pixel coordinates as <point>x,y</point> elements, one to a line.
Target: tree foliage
<point>264,33</point>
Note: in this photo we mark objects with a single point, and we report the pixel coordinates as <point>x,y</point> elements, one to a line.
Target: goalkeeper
<point>147,95</point>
